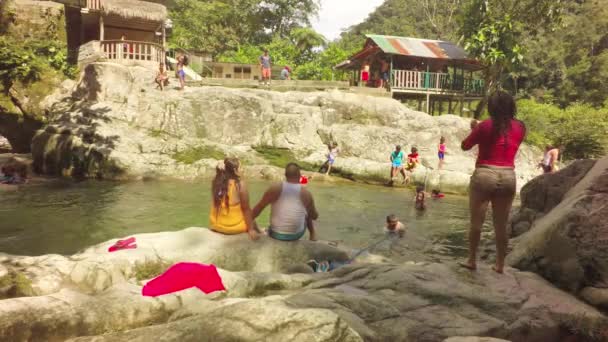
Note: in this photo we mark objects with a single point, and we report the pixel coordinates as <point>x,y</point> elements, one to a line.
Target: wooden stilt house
<point>433,71</point>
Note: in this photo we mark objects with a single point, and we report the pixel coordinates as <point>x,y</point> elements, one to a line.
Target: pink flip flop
<point>123,244</point>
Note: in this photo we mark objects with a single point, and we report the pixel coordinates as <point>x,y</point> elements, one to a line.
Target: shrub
<point>580,129</point>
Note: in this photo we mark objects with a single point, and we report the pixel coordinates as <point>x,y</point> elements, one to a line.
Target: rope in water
<point>386,237</point>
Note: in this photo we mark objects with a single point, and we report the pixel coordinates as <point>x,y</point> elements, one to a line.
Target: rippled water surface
<point>64,217</point>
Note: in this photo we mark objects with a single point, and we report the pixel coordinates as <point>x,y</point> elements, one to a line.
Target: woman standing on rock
<point>230,210</point>
<point>494,178</point>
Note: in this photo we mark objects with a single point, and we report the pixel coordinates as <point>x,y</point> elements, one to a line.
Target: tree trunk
<point>14,96</point>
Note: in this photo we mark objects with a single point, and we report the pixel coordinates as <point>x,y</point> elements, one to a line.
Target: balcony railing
<point>433,81</point>
<point>93,4</point>
<point>132,50</point>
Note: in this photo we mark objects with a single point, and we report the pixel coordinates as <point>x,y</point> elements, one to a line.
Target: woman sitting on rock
<point>494,178</point>
<point>230,211</point>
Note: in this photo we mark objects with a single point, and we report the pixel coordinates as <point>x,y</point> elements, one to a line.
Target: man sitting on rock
<point>292,207</point>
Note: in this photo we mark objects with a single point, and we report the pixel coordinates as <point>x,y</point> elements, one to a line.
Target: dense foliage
<point>580,129</point>
<point>554,53</point>
<point>218,26</point>
<point>32,55</point>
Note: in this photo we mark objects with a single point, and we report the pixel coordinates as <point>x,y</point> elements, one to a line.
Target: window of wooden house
<point>247,73</point>
<point>238,72</point>
<point>218,71</point>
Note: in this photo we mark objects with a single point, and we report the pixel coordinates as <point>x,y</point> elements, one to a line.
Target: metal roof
<point>425,48</point>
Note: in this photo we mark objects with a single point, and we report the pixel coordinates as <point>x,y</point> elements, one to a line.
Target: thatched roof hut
<point>135,10</point>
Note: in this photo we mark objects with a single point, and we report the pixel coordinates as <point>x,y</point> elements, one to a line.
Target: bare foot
<point>468,266</point>
<point>253,236</point>
<point>313,237</point>
<point>497,270</point>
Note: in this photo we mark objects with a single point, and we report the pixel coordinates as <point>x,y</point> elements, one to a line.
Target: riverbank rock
<point>116,125</point>
<point>96,296</point>
<point>545,192</point>
<point>474,339</point>
<point>569,244</point>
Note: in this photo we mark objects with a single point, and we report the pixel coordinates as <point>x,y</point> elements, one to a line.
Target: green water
<point>64,217</point>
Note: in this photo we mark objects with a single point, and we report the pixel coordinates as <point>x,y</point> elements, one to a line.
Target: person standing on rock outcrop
<point>494,178</point>
<point>266,66</point>
<point>230,210</point>
<point>292,208</point>
<point>181,73</point>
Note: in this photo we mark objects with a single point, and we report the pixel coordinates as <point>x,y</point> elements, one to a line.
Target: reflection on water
<point>64,217</point>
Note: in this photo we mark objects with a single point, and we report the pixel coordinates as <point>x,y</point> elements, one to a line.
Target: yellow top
<point>230,219</point>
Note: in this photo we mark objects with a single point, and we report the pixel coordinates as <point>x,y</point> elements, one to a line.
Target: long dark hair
<point>223,175</point>
<point>502,109</point>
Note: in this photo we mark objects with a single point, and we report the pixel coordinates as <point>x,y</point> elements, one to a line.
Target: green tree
<point>17,64</point>
<point>306,40</point>
<point>570,64</point>
<point>493,29</point>
<point>218,26</point>
<point>281,16</point>
<point>431,19</point>
<point>321,67</point>
<point>580,129</point>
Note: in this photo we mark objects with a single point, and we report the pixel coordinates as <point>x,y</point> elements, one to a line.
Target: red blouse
<point>495,150</point>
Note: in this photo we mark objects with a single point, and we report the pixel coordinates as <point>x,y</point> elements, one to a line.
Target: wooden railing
<point>94,4</point>
<point>433,81</point>
<point>132,50</point>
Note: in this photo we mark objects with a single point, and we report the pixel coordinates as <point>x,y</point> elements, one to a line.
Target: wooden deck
<point>422,82</point>
<point>129,50</point>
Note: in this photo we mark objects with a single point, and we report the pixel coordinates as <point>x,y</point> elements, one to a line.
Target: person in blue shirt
<point>397,164</point>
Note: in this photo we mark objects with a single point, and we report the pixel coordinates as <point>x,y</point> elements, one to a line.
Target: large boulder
<point>543,193</point>
<point>115,114</point>
<point>569,244</point>
<point>96,296</point>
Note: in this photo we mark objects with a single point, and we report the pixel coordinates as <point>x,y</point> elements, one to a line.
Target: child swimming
<point>420,205</point>
<point>436,194</point>
<point>394,226</point>
<point>13,174</point>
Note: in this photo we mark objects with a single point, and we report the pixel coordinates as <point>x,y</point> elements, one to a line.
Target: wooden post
<point>419,104</point>
<point>428,99</point>
<point>462,104</point>
<point>164,38</point>
<point>390,77</point>
<point>450,106</point>
<point>101,28</point>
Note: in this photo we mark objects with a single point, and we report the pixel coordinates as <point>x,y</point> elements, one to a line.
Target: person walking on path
<point>494,179</point>
<point>266,65</point>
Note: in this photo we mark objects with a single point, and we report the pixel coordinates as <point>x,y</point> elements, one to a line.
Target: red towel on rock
<point>185,275</point>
